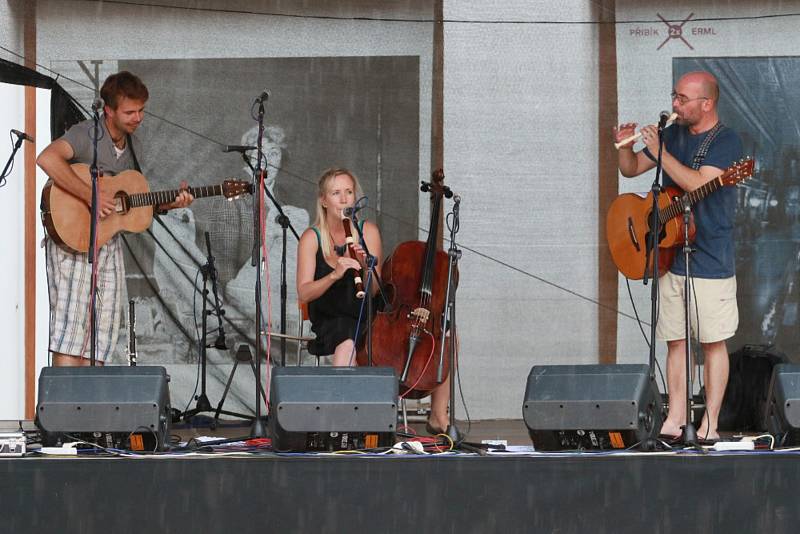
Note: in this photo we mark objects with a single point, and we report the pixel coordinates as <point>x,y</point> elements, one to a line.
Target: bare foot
<point>671,429</point>
<point>703,434</point>
<point>436,425</point>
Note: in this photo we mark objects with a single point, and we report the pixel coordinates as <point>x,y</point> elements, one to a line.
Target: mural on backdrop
<point>357,112</point>
<point>759,100</point>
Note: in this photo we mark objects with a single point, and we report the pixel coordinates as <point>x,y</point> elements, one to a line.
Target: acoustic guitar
<point>628,222</point>
<point>67,218</point>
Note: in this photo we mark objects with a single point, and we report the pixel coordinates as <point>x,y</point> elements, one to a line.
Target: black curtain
<point>64,110</point>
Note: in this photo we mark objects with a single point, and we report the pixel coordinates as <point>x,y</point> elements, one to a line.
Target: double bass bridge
<point>420,314</point>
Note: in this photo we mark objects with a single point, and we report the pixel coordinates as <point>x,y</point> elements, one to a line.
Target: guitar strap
<point>702,151</point>
<point>133,154</point>
<point>156,211</point>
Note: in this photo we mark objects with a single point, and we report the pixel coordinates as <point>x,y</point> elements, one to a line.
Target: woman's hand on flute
<point>344,264</point>
<point>361,254</point>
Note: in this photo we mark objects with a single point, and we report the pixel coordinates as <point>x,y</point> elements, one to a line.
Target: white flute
<point>637,135</point>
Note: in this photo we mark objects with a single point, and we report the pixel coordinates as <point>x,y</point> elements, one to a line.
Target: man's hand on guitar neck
<point>183,199</point>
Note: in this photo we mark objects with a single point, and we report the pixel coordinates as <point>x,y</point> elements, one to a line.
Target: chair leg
<point>299,343</point>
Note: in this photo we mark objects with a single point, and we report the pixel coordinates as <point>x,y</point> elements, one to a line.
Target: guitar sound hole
<point>661,234</point>
<point>123,202</point>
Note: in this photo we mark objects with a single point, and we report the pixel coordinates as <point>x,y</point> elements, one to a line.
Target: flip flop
<point>670,438</point>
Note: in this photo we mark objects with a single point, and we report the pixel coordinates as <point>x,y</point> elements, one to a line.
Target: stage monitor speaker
<point>783,405</point>
<point>332,408</point>
<point>112,406</point>
<point>576,407</point>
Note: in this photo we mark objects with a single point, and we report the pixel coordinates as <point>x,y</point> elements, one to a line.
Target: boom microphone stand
<point>209,272</point>
<point>285,223</point>
<point>21,136</point>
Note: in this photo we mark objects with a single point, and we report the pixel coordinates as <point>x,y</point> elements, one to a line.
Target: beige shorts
<point>713,299</point>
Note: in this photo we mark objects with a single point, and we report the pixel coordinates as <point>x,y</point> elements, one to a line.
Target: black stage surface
<point>564,493</point>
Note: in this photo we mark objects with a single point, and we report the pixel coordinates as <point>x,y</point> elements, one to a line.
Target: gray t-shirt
<point>79,138</point>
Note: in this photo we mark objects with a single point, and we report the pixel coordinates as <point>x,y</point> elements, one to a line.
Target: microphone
<point>97,104</point>
<point>238,148</point>
<point>23,135</point>
<point>350,212</point>
<point>457,199</point>
<point>663,118</point>
<point>263,97</point>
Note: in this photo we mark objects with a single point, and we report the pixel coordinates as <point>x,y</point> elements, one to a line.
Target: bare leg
<point>341,358</point>
<point>68,360</point>
<point>440,397</point>
<point>676,386</point>
<point>715,374</point>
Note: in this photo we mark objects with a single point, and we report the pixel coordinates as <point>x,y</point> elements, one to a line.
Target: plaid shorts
<point>68,279</point>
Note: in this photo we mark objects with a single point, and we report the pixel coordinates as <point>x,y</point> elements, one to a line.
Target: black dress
<point>334,315</point>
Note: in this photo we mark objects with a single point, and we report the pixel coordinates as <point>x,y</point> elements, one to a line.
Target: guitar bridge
<point>633,234</point>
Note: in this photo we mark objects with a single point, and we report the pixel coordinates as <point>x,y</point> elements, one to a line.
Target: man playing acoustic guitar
<point>68,273</point>
<point>696,149</point>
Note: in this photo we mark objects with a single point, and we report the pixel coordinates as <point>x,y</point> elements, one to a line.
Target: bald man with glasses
<point>697,149</point>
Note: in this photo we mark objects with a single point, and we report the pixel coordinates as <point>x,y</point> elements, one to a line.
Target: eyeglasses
<point>683,99</point>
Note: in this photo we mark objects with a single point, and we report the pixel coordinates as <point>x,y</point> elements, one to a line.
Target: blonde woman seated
<point>324,269</point>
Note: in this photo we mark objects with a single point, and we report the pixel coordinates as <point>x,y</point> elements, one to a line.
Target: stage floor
<point>458,493</point>
<point>256,490</point>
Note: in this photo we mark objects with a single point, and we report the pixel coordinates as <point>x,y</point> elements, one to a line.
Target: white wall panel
<point>520,149</point>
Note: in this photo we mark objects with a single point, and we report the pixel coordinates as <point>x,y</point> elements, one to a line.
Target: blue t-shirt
<point>713,255</point>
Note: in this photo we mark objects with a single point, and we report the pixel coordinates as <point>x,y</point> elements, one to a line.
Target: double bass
<point>407,335</point>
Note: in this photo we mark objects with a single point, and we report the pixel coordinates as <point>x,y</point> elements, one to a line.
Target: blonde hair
<point>321,221</point>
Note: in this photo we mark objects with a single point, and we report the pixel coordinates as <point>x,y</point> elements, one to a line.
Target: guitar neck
<point>156,198</point>
<point>676,206</point>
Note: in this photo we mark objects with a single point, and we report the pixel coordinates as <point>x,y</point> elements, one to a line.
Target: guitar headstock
<point>232,189</point>
<point>738,172</point>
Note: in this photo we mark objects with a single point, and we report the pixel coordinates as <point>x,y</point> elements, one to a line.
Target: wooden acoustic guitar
<point>67,218</point>
<point>628,222</point>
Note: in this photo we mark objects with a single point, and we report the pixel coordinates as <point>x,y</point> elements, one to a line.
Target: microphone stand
<point>16,148</point>
<point>689,436</point>
<point>257,429</point>
<point>652,251</point>
<point>95,173</point>
<point>219,344</point>
<point>373,275</point>
<point>285,223</point>
<point>209,272</point>
<point>449,322</point>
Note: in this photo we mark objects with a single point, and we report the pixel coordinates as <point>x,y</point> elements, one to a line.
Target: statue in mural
<point>240,290</point>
